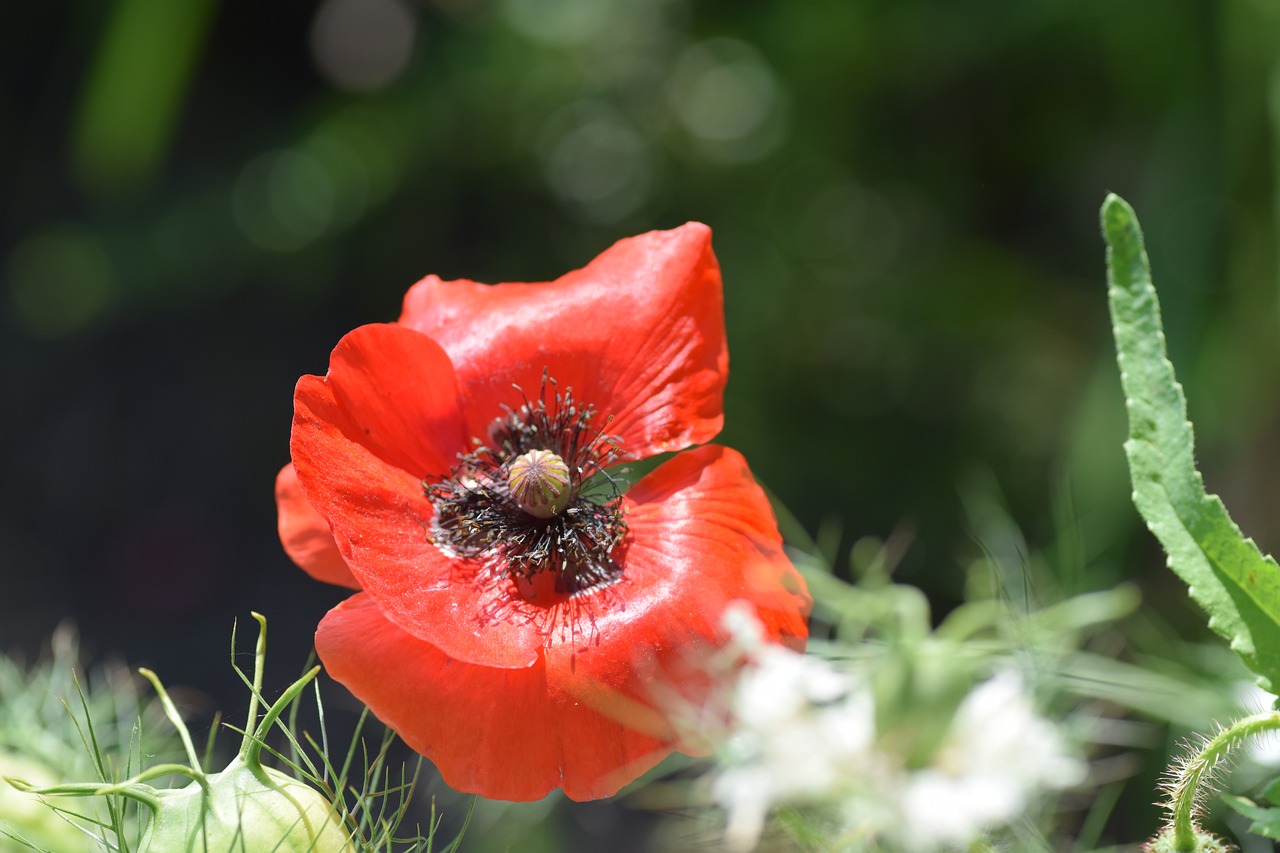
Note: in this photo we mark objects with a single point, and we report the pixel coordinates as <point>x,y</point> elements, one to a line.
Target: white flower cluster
<point>997,753</point>
<point>800,731</point>
<point>804,733</point>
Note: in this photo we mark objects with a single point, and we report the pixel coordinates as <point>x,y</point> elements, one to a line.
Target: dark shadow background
<point>198,199</point>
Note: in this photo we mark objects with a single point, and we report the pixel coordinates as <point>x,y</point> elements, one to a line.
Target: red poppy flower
<point>519,610</point>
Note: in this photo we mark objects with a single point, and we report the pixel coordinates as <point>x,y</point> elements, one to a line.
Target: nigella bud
<point>245,807</point>
<point>539,482</point>
<point>36,819</point>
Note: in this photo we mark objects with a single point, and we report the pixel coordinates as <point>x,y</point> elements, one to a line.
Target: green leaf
<point>1225,573</point>
<point>1266,822</point>
<point>1271,791</point>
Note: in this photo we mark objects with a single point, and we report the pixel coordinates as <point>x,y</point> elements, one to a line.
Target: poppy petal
<point>399,391</point>
<point>502,733</point>
<point>305,534</point>
<point>702,534</point>
<point>638,333</point>
<point>351,447</point>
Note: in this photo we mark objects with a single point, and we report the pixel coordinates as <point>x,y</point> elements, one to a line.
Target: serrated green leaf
<point>1266,822</point>
<point>1225,573</point>
<point>1271,791</point>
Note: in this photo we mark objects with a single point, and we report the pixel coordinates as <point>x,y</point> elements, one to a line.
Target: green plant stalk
<point>171,711</point>
<point>1195,775</point>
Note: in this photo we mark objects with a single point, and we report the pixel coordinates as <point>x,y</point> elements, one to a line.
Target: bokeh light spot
<point>377,141</point>
<point>845,221</point>
<point>728,99</point>
<point>559,22</point>
<point>283,200</point>
<point>598,162</point>
<point>60,281</point>
<point>346,173</point>
<point>362,45</point>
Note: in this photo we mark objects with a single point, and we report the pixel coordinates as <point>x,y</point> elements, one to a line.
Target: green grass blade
<point>1225,573</point>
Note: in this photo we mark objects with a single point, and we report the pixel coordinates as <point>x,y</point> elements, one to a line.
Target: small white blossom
<point>803,732</point>
<point>997,754</point>
<point>800,730</point>
<point>740,620</point>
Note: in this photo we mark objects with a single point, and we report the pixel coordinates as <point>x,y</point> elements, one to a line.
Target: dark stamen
<point>478,516</point>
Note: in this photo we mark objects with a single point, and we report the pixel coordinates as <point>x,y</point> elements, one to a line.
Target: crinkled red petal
<point>305,534</point>
<point>638,333</point>
<point>702,534</point>
<point>502,733</point>
<point>363,439</point>
<point>401,396</point>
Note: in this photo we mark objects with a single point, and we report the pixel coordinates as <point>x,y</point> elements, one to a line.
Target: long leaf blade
<point>1225,573</point>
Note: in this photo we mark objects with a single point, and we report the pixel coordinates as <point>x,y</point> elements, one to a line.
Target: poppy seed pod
<point>539,483</point>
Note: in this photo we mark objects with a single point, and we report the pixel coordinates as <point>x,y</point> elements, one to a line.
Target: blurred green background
<point>199,198</point>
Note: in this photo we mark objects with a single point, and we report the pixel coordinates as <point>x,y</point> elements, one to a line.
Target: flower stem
<point>171,712</point>
<point>252,747</point>
<point>1197,771</point>
<point>255,689</point>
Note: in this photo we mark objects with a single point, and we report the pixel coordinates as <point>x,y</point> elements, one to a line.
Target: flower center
<point>536,497</point>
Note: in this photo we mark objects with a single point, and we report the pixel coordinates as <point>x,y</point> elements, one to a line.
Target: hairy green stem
<point>1196,772</point>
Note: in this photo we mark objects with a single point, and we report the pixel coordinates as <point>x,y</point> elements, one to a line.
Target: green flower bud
<point>27,815</point>
<point>243,809</point>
